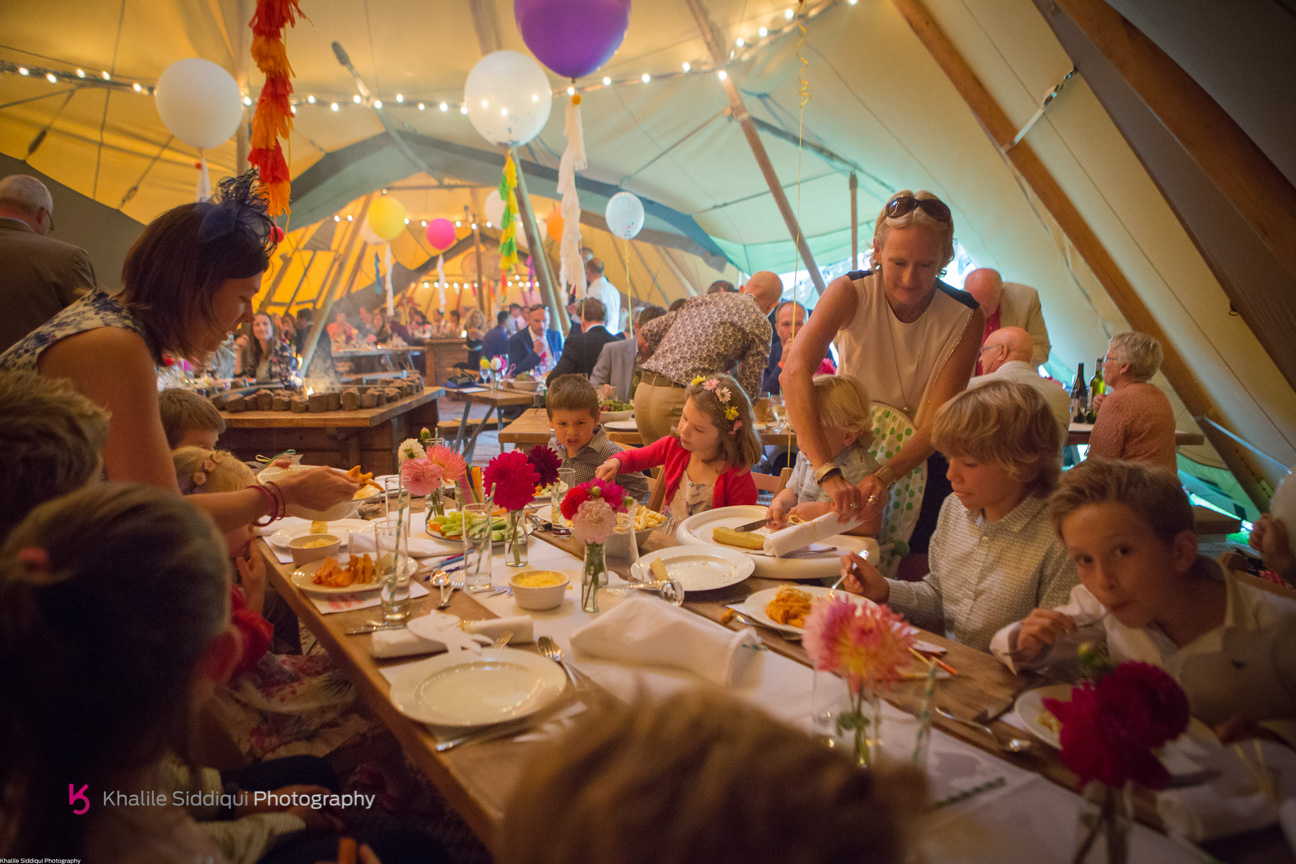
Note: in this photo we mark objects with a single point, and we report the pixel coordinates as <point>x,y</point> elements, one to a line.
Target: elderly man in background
<point>788,319</point>
<point>710,334</point>
<point>38,274</point>
<point>1006,356</point>
<point>605,292</point>
<point>614,373</point>
<point>1008,304</point>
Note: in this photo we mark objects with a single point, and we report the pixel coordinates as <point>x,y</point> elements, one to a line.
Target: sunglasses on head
<point>903,205</point>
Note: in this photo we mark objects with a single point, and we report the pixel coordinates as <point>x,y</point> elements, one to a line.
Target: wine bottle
<point>1096,384</point>
<point>1079,396</point>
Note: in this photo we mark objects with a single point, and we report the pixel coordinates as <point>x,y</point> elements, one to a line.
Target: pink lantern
<point>441,234</point>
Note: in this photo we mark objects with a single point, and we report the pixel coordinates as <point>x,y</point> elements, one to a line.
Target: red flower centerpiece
<point>1109,732</point>
<point>592,508</point>
<point>546,463</point>
<point>511,481</point>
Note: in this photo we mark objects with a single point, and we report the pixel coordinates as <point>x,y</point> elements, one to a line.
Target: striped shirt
<point>586,461</point>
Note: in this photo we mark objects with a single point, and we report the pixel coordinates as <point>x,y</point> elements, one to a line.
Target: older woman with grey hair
<point>1135,420</point>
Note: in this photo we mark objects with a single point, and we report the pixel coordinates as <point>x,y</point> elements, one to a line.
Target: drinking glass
<point>566,480</point>
<point>393,491</point>
<point>477,522</point>
<point>391,542</point>
<point>761,409</point>
<point>778,410</point>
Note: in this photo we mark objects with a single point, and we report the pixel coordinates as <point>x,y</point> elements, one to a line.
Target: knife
<point>752,526</point>
<point>997,709</point>
<point>371,627</point>
<point>504,730</point>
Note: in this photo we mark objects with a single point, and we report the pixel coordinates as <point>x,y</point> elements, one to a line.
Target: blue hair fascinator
<point>239,205</point>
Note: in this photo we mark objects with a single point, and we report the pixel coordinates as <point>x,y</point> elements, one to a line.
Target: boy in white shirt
<point>1148,596</point>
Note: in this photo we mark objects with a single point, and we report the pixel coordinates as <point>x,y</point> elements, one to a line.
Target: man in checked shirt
<point>711,334</point>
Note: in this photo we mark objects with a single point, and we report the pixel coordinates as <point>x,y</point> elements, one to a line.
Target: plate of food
<point>784,608</point>
<point>339,528</point>
<point>345,574</point>
<point>523,381</point>
<point>622,425</point>
<point>646,521</point>
<point>694,567</point>
<point>819,561</point>
<point>341,510</point>
<point>470,689</point>
<point>615,409</point>
<point>449,528</point>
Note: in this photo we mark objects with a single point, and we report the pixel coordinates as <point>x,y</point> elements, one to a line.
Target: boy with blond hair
<point>573,407</point>
<point>1146,595</point>
<point>189,420</point>
<point>994,555</point>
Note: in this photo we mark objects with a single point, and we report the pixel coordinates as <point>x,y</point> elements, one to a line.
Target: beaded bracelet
<point>274,507</point>
<point>282,501</point>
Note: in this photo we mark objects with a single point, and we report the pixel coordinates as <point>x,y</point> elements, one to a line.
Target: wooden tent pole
<point>278,279</point>
<point>1262,194</point>
<point>1033,170</point>
<point>854,188</point>
<point>481,267</point>
<point>321,319</point>
<point>739,111</point>
<point>538,254</point>
<point>302,281</point>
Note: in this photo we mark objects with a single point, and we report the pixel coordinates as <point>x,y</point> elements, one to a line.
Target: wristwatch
<point>886,475</point>
<point>826,470</point>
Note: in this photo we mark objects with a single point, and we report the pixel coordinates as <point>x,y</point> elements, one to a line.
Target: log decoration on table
<point>273,118</point>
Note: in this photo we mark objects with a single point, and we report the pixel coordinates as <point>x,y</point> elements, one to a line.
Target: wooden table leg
<point>472,442</point>
<point>461,439</point>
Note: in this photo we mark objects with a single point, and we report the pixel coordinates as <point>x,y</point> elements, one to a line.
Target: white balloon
<point>494,208</point>
<point>625,215</point>
<point>508,98</point>
<point>367,234</point>
<point>199,102</point>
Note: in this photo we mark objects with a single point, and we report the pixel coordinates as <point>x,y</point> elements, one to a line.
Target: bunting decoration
<point>572,269</point>
<point>508,222</point>
<point>273,118</point>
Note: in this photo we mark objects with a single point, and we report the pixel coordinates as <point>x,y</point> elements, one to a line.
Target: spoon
<point>442,580</point>
<point>1012,745</point>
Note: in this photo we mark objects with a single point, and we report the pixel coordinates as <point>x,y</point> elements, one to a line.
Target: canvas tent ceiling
<point>878,100</point>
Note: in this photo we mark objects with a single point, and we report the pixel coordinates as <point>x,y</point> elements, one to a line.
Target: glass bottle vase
<point>1103,825</point>
<point>593,576</point>
<point>515,539</point>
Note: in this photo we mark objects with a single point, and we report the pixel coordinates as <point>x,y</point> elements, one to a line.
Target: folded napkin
<point>437,632</point>
<point>795,537</point>
<point>1232,803</point>
<point>361,542</point>
<point>330,603</point>
<point>646,631</point>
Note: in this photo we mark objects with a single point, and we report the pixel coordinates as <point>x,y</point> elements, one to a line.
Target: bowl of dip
<point>313,547</point>
<point>538,590</point>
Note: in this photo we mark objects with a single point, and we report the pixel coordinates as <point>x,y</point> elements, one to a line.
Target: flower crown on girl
<point>724,394</point>
<point>199,478</point>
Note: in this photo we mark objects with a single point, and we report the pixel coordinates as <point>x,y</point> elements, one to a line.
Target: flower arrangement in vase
<point>511,479</point>
<point>592,508</point>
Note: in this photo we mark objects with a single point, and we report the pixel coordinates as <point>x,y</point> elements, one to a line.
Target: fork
<point>549,648</point>
<point>502,639</point>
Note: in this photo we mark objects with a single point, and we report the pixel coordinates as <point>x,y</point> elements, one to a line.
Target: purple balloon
<point>572,37</point>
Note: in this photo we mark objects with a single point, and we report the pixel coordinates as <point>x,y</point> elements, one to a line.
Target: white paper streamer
<point>204,181</point>
<point>441,283</point>
<point>572,269</point>
<point>387,278</point>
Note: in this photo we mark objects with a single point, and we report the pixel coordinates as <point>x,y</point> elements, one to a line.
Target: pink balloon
<point>441,233</point>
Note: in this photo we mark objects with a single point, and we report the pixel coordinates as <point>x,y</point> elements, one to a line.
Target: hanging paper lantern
<point>625,215</point>
<point>494,207</point>
<point>441,234</point>
<point>572,37</point>
<point>199,102</point>
<point>554,225</point>
<point>387,217</point>
<point>508,99</point>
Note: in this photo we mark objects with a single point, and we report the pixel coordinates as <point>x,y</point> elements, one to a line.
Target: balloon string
<point>803,98</point>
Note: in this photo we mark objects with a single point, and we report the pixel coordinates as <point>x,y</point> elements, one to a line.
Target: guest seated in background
<point>516,318</point>
<point>453,324</point>
<point>1269,537</point>
<point>1147,595</point>
<point>844,407</point>
<point>614,373</point>
<point>419,327</point>
<point>366,327</point>
<point>789,318</point>
<point>382,331</point>
<point>495,342</point>
<point>994,555</point>
<point>52,438</point>
<point>266,356</point>
<point>702,778</point>
<point>1135,421</point>
<point>1008,304</point>
<point>537,347</point>
<point>1006,356</point>
<point>573,408</point>
<point>189,420</point>
<point>341,330</point>
<point>581,350</point>
<point>709,458</point>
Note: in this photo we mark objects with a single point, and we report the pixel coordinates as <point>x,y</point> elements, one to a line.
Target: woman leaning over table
<point>1135,421</point>
<point>909,338</point>
<point>188,281</point>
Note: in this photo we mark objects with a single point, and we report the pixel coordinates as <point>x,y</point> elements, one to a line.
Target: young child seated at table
<point>1146,595</point>
<point>702,778</point>
<point>573,407</point>
<point>273,698</point>
<point>52,439</point>
<point>994,556</point>
<point>708,456</point>
<point>844,406</point>
<point>189,420</point>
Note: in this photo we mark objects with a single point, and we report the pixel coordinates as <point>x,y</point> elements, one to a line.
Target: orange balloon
<point>554,225</point>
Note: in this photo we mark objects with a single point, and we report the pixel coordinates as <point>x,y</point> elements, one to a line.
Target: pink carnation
<point>421,476</point>
<point>595,521</point>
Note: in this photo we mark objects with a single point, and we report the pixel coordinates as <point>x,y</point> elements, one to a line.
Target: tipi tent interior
<point>1132,161</point>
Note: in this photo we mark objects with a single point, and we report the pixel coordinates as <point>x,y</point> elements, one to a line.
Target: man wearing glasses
<point>1006,356</point>
<point>38,274</point>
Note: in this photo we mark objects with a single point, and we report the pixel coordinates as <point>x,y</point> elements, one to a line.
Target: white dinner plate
<point>470,689</point>
<point>302,576</point>
<point>341,510</point>
<point>622,426</point>
<point>820,561</point>
<point>697,569</point>
<point>1183,757</point>
<point>339,528</point>
<point>614,416</point>
<point>755,604</point>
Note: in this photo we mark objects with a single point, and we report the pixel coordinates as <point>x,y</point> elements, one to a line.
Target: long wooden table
<point>477,780</point>
<point>367,436</point>
<point>532,428</point>
<point>1078,433</point>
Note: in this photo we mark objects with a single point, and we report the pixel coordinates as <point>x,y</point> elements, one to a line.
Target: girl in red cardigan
<point>709,455</point>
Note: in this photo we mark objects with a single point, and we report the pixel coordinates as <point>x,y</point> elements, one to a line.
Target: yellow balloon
<point>387,217</point>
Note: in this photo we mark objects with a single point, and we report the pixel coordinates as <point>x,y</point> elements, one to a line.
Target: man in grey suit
<point>1008,304</point>
<point>613,374</point>
<point>38,274</point>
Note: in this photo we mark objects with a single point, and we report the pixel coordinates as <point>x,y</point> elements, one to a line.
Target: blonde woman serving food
<point>909,338</point>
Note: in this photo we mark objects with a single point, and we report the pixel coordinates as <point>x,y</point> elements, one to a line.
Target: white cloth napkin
<point>795,537</point>
<point>1232,803</point>
<point>646,631</point>
<point>361,542</point>
<point>331,603</point>
<point>438,632</point>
